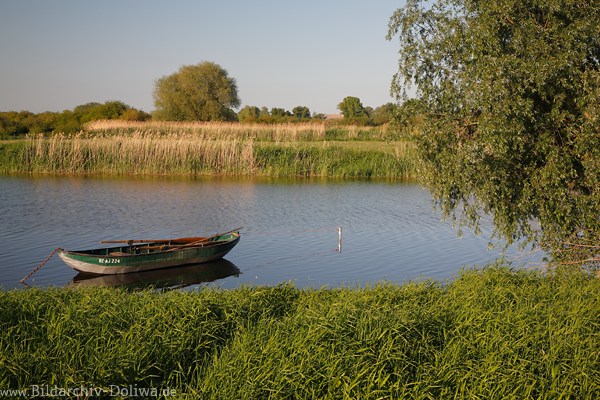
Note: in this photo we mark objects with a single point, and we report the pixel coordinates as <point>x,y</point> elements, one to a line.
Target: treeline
<point>202,92</point>
<point>205,92</point>
<point>352,112</point>
<point>254,114</point>
<point>13,123</point>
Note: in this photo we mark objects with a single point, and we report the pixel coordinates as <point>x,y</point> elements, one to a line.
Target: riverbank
<point>192,149</point>
<point>493,333</point>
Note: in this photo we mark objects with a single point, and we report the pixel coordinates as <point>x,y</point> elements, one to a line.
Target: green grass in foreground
<point>490,334</point>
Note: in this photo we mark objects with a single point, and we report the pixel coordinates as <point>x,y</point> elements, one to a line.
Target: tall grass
<point>192,153</point>
<point>138,153</point>
<point>282,132</point>
<point>493,334</point>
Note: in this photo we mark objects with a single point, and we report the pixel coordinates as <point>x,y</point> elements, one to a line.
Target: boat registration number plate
<point>109,261</point>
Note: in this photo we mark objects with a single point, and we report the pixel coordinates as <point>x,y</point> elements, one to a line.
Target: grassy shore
<point>493,334</point>
<point>153,148</point>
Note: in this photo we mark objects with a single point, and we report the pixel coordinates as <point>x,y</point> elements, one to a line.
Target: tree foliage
<point>20,123</point>
<point>276,115</point>
<point>201,92</point>
<point>510,91</point>
<point>384,114</point>
<point>301,112</point>
<point>352,108</point>
<point>249,114</point>
<point>278,112</point>
<point>96,111</point>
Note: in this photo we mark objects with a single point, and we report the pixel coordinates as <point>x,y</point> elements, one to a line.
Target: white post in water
<point>339,239</point>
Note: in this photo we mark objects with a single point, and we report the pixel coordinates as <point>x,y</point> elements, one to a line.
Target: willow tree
<point>202,92</point>
<point>510,91</point>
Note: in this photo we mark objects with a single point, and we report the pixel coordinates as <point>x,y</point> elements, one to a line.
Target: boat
<point>144,255</point>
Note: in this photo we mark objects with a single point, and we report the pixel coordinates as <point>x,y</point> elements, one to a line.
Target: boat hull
<point>166,278</point>
<point>95,262</point>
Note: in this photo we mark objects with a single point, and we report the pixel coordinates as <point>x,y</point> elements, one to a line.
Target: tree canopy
<point>352,108</point>
<point>384,114</point>
<point>510,93</point>
<point>301,112</point>
<point>249,114</point>
<point>20,123</point>
<point>202,92</point>
<point>276,115</point>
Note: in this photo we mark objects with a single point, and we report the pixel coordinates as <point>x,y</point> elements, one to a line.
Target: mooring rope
<point>22,281</point>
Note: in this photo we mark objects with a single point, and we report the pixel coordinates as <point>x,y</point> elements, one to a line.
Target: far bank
<point>192,149</point>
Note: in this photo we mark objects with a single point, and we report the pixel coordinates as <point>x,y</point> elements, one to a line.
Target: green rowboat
<point>144,255</point>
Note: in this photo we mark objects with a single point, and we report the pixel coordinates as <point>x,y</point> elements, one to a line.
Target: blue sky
<point>55,55</point>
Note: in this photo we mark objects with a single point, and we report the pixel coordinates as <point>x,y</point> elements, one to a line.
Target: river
<point>390,232</point>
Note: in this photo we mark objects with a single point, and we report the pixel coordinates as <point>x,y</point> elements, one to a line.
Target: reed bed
<point>281,132</point>
<point>180,153</point>
<point>495,333</point>
<point>138,153</point>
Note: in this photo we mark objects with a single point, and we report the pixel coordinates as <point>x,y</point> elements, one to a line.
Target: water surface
<point>390,231</point>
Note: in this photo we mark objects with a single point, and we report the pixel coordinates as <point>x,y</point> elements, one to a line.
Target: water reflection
<point>390,231</point>
<point>167,278</point>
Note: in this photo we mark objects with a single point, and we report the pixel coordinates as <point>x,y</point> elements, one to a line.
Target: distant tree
<point>264,112</point>
<point>301,112</point>
<point>264,115</point>
<point>510,94</point>
<point>132,114</point>
<point>12,124</point>
<point>24,122</point>
<point>96,111</point>
<point>42,123</point>
<point>113,110</point>
<point>248,114</point>
<point>352,108</point>
<point>384,114</point>
<point>87,108</point>
<point>280,112</point>
<point>20,123</point>
<point>93,111</point>
<point>68,122</point>
<point>202,92</point>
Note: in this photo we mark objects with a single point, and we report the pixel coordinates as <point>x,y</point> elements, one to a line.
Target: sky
<point>58,54</point>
